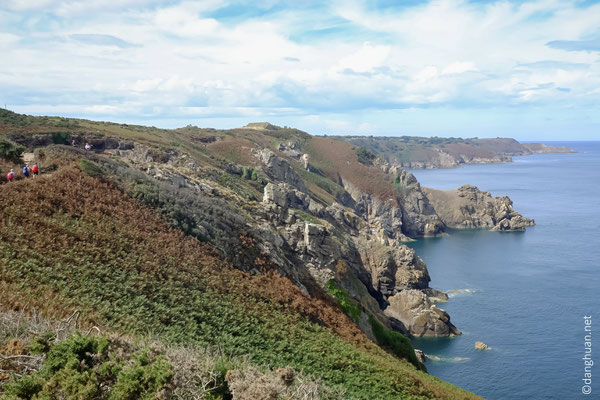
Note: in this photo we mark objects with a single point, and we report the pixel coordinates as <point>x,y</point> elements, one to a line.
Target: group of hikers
<point>34,170</point>
<point>28,171</point>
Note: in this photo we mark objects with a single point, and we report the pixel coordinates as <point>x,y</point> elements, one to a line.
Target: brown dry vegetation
<point>338,159</point>
<point>459,149</point>
<point>233,149</point>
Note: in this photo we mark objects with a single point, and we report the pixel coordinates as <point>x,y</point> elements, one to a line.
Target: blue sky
<point>524,69</point>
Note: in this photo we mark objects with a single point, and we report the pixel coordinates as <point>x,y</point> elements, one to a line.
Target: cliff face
<point>357,242</point>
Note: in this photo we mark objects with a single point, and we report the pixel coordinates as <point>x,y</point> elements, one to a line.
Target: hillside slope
<point>70,241</point>
<point>274,206</point>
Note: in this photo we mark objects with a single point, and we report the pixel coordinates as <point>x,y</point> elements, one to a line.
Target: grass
<point>306,217</point>
<point>70,241</point>
<point>346,303</point>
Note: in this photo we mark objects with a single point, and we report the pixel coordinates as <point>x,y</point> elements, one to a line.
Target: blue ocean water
<point>531,290</point>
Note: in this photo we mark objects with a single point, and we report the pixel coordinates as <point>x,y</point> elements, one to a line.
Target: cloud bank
<point>442,67</point>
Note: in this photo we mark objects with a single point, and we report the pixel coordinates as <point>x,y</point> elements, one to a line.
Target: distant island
<point>414,152</point>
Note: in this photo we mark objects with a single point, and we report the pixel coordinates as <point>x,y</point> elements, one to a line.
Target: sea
<point>524,294</point>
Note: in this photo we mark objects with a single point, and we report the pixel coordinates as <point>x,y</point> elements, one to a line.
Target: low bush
<point>82,367</point>
<point>347,305</point>
<point>365,156</point>
<point>11,151</point>
<point>396,342</point>
<point>60,137</point>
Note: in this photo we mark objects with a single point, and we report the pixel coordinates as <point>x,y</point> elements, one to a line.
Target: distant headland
<point>414,152</point>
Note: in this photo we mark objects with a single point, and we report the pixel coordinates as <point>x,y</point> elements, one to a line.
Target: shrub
<point>142,379</point>
<point>60,137</point>
<point>25,388</point>
<point>365,156</point>
<point>82,367</point>
<point>396,342</point>
<point>11,151</point>
<point>347,305</point>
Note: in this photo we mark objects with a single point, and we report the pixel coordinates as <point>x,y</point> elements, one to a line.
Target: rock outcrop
<point>468,207</point>
<point>481,346</point>
<point>421,356</point>
<point>414,313</point>
<point>366,242</point>
<point>419,216</point>
<point>279,169</point>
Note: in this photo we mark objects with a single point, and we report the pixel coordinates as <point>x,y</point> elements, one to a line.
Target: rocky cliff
<point>277,198</point>
<point>468,207</point>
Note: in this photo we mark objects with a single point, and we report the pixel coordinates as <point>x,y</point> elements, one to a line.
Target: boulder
<point>419,315</point>
<point>481,346</point>
<point>420,356</point>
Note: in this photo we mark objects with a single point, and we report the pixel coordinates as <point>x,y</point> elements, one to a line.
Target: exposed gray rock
<point>469,207</point>
<point>279,169</point>
<point>419,216</point>
<point>420,356</point>
<point>290,149</point>
<point>419,315</point>
<point>367,239</point>
<point>436,296</point>
<point>305,161</point>
<point>285,195</point>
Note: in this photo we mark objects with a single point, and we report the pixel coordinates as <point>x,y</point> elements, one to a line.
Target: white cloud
<point>367,58</point>
<point>459,67</point>
<point>183,57</point>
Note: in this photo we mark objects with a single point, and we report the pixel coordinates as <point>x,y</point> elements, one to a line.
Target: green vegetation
<point>90,168</point>
<point>11,151</point>
<point>60,137</point>
<point>349,306</point>
<point>45,359</point>
<point>365,156</point>
<point>329,186</point>
<point>306,217</point>
<point>396,342</point>
<point>250,174</point>
<point>83,367</point>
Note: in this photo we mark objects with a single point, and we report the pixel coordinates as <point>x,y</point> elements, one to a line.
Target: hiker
<point>26,171</point>
<point>35,170</point>
<point>88,146</point>
<point>11,175</point>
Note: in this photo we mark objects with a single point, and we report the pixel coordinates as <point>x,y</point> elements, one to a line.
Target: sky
<point>523,69</point>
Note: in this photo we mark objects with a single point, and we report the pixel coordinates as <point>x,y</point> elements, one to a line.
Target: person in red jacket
<point>35,170</point>
<point>11,175</point>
